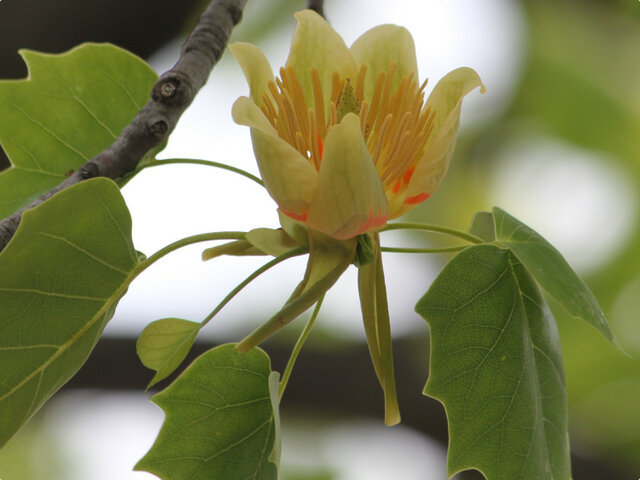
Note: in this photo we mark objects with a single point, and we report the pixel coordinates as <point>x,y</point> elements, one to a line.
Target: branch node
<point>158,128</point>
<point>171,90</point>
<point>89,170</point>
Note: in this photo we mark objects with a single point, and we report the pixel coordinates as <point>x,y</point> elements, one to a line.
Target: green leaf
<point>164,344</point>
<point>497,368</point>
<point>483,226</point>
<point>552,272</point>
<point>70,108</point>
<point>220,420</point>
<point>61,276</point>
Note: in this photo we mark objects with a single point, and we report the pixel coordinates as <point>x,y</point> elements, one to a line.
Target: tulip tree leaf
<point>61,276</point>
<point>483,226</point>
<point>70,108</point>
<point>497,368</point>
<point>220,420</point>
<point>551,271</point>
<point>164,344</point>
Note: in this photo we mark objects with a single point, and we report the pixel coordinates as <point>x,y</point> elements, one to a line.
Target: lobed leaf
<point>483,226</point>
<point>61,277</point>
<point>551,271</point>
<point>164,344</point>
<point>220,420</point>
<point>71,107</point>
<point>497,368</point>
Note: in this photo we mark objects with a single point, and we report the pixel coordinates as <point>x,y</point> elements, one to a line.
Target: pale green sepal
<point>350,198</point>
<point>316,45</point>
<point>272,242</point>
<point>256,68</point>
<point>445,103</point>
<point>325,254</point>
<point>378,48</point>
<point>294,228</point>
<point>164,344</point>
<point>375,315</point>
<point>274,389</point>
<point>328,259</point>
<point>245,112</point>
<point>237,247</point>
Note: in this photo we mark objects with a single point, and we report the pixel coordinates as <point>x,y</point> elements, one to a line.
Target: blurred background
<point>555,141</point>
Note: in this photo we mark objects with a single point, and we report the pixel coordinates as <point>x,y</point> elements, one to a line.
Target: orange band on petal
<point>373,222</point>
<point>299,217</point>
<point>416,199</point>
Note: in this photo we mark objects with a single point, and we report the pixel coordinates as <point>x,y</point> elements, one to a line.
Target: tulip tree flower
<point>345,142</point>
<point>343,137</point>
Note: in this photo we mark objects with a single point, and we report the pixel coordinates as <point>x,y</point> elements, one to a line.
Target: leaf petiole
<point>202,237</point>
<point>457,248</point>
<point>208,163</point>
<point>433,228</point>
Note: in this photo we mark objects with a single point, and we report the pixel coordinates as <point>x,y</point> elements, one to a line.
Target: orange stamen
<point>320,147</point>
<point>394,124</point>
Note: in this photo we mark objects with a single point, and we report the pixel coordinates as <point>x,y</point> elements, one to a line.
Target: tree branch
<point>316,6</point>
<point>171,95</point>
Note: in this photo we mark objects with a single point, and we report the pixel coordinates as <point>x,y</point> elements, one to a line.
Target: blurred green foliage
<point>580,85</point>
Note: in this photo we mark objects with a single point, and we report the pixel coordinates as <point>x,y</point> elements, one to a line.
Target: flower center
<point>395,126</point>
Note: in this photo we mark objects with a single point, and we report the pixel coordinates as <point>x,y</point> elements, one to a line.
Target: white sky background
<point>169,203</point>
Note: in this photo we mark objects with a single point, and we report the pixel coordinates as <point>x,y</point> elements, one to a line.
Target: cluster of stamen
<point>395,126</point>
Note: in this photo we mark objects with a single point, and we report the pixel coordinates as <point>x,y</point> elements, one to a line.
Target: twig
<point>316,6</point>
<point>171,95</point>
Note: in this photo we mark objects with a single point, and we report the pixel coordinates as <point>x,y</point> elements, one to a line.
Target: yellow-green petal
<point>256,68</point>
<point>246,112</point>
<point>378,48</point>
<point>350,198</point>
<point>316,45</point>
<point>288,176</point>
<point>445,101</point>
